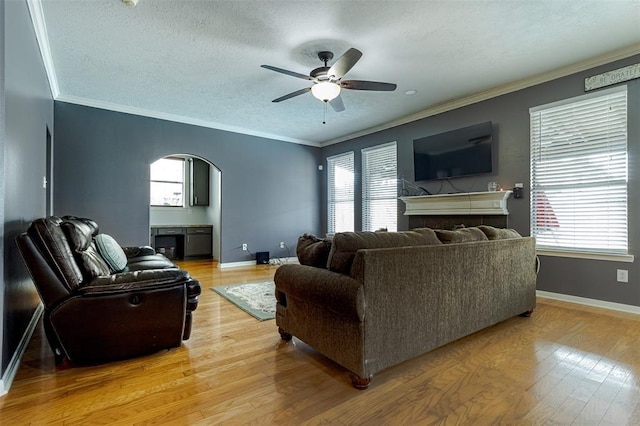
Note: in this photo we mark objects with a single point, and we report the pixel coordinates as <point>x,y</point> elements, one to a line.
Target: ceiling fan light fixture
<point>325,91</point>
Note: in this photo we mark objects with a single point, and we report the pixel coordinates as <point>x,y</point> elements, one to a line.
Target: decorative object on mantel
<point>612,77</point>
<point>405,183</point>
<point>466,203</point>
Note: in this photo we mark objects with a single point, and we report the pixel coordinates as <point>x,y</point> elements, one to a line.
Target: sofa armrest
<point>132,252</point>
<point>335,292</point>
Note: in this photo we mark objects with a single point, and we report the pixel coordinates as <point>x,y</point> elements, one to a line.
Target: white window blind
<point>579,174</point>
<point>380,188</point>
<point>340,196</point>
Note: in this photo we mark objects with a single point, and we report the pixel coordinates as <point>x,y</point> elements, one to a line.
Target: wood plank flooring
<point>567,364</point>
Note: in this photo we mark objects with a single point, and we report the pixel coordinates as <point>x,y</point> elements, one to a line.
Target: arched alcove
<point>185,217</point>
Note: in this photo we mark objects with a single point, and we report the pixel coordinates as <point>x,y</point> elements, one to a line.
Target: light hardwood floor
<point>566,364</point>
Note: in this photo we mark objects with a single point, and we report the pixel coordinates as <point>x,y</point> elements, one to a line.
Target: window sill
<point>593,256</point>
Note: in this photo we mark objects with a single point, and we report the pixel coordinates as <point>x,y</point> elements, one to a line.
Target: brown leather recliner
<point>93,313</point>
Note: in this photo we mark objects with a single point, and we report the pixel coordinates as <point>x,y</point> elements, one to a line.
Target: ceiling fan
<point>327,81</point>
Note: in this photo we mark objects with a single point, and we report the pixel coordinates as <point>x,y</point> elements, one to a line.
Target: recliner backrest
<point>47,235</point>
<point>95,230</point>
<point>79,233</point>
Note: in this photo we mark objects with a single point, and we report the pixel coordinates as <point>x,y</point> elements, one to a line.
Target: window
<point>167,182</point>
<point>380,188</point>
<point>579,174</point>
<point>340,198</point>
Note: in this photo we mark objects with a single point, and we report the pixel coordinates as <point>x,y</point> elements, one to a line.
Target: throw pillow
<point>111,252</point>
<point>313,251</point>
<point>464,235</point>
<point>499,233</point>
<point>429,235</point>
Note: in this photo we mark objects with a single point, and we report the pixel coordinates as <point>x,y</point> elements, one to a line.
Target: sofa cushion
<point>499,233</point>
<point>345,245</point>
<point>313,251</point>
<point>464,235</point>
<point>111,252</point>
<point>79,236</point>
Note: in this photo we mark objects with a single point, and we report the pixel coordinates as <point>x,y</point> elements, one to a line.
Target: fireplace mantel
<point>467,203</point>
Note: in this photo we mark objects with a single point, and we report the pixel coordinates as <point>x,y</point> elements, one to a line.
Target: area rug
<point>257,299</point>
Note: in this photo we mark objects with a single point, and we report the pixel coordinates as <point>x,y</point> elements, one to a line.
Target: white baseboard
<point>237,264</point>
<point>283,260</point>
<point>14,364</point>
<point>589,302</point>
<point>246,263</point>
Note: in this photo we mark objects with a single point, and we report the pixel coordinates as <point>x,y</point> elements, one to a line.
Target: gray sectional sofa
<point>387,297</point>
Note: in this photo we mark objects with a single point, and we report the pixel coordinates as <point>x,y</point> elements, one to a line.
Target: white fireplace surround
<point>466,203</point>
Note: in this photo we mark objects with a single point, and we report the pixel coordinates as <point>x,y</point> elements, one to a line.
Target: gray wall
<point>270,189</point>
<point>510,115</point>
<point>28,110</point>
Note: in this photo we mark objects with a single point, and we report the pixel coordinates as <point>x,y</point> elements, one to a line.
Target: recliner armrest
<point>131,252</point>
<point>140,280</point>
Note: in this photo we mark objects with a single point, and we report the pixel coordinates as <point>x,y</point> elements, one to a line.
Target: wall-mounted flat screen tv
<point>462,152</point>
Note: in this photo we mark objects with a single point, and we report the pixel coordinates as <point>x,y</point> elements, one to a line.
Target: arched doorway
<point>185,207</point>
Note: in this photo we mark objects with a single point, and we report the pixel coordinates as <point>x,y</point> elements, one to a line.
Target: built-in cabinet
<point>199,182</point>
<point>183,242</point>
<point>198,242</point>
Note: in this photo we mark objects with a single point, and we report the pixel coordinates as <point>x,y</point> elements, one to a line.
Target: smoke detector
<point>130,2</point>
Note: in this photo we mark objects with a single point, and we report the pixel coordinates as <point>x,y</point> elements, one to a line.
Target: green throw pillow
<point>111,252</point>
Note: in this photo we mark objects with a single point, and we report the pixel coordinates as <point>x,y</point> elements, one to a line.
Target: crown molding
<point>176,118</point>
<point>40,28</point>
<point>497,91</point>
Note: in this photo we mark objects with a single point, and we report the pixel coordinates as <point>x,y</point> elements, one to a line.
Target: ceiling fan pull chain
<point>324,113</point>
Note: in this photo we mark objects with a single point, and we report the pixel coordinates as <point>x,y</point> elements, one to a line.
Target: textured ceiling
<point>199,61</point>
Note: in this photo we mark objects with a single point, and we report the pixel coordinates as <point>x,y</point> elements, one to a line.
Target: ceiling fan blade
<point>344,64</point>
<point>367,85</point>
<point>292,94</point>
<point>287,72</point>
<point>337,104</point>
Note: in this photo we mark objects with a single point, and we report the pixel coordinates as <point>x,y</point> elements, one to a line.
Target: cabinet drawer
<point>169,231</point>
<point>203,230</point>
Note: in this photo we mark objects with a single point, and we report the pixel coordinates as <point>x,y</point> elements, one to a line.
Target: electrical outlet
<point>622,276</point>
<point>282,244</point>
<point>244,246</point>
<point>517,190</point>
